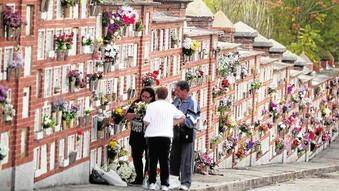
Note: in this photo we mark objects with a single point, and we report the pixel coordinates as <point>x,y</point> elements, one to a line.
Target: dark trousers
<point>137,154</point>
<point>159,151</point>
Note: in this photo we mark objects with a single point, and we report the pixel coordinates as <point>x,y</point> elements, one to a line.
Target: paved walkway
<point>244,179</point>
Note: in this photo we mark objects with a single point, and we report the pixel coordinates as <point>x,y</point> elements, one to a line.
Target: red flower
<point>311,136</point>
<point>80,132</point>
<point>156,73</point>
<point>225,83</point>
<point>157,82</point>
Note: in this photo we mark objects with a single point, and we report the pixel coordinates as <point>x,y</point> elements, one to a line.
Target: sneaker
<point>164,188</point>
<point>152,186</point>
<point>183,187</point>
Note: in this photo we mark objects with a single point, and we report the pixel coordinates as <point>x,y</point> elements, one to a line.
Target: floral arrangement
<point>263,127</point>
<point>138,26</point>
<point>255,85</point>
<point>69,115</point>
<point>126,171</point>
<point>74,78</point>
<point>318,131</point>
<point>87,40</point>
<point>203,163</point>
<point>3,94</point>
<point>290,88</point>
<point>295,143</point>
<point>250,145</point>
<point>80,133</point>
<point>9,112</point>
<point>58,105</point>
<point>68,3</point>
<point>113,148</point>
<point>274,110</point>
<point>245,128</point>
<point>227,64</point>
<point>118,115</point>
<point>63,41</point>
<point>225,105</point>
<point>151,78</point>
<point>140,109</point>
<point>225,83</point>
<point>279,145</point>
<point>241,153</point>
<point>18,60</point>
<point>281,126</point>
<point>217,139</point>
<point>326,137</point>
<point>11,19</point>
<point>230,122</point>
<point>110,53</point>
<point>325,111</point>
<point>48,122</point>
<point>122,152</point>
<point>125,16</point>
<point>190,46</point>
<point>3,152</point>
<point>230,144</point>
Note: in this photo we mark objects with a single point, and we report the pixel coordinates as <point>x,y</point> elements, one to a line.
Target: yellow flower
<point>195,45</point>
<point>119,111</point>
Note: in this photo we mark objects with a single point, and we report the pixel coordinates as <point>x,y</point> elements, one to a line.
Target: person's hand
<point>130,116</point>
<point>179,121</point>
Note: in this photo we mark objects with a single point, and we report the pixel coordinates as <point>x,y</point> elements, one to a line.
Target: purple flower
<point>112,28</point>
<point>290,89</point>
<point>3,93</point>
<point>250,145</point>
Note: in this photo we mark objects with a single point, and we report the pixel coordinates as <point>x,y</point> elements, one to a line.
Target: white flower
<point>187,44</point>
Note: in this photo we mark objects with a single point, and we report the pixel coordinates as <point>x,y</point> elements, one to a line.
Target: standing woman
<point>137,139</point>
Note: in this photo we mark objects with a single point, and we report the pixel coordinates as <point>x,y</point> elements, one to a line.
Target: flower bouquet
<point>150,79</point>
<point>203,163</point>
<point>74,79</point>
<point>63,43</point>
<point>9,112</point>
<point>274,110</point>
<point>190,46</point>
<point>113,149</point>
<point>18,62</point>
<point>225,83</point>
<point>3,95</point>
<point>3,152</point>
<point>245,128</point>
<point>12,22</point>
<point>140,109</point>
<point>122,152</point>
<point>126,171</point>
<point>110,56</point>
<point>118,115</point>
<point>255,85</point>
<point>281,127</point>
<point>47,122</point>
<point>279,145</point>
<point>87,42</point>
<point>68,117</point>
<point>128,15</point>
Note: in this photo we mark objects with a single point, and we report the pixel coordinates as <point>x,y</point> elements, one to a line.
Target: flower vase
<point>101,133</point>
<point>72,85</point>
<point>60,55</point>
<point>9,32</point>
<point>88,119</point>
<point>107,67</point>
<point>64,124</point>
<point>138,33</point>
<point>105,31</point>
<point>67,12</point>
<point>71,124</point>
<point>87,49</point>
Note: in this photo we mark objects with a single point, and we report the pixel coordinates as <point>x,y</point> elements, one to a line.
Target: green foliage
<point>308,26</point>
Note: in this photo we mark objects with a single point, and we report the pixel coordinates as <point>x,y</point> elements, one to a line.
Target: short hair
<point>183,85</point>
<point>150,90</point>
<point>162,92</point>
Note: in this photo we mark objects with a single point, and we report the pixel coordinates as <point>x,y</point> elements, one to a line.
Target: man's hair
<point>183,85</point>
<point>162,92</point>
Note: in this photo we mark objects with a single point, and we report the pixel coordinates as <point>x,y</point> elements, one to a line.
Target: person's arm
<point>178,117</point>
<point>147,117</point>
<point>130,115</point>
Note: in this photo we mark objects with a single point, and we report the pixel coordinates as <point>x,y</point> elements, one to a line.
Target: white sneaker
<point>183,187</point>
<point>164,188</point>
<point>152,186</point>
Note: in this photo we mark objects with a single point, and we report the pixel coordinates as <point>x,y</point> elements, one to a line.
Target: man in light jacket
<point>181,158</point>
<point>161,116</point>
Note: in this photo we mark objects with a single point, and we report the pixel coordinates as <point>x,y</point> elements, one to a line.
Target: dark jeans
<point>159,151</point>
<point>137,154</point>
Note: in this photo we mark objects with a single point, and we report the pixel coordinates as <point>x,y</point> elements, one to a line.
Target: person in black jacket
<point>137,139</point>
